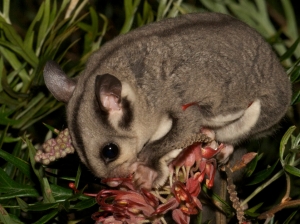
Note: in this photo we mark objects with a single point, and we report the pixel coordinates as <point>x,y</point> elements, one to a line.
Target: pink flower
<point>129,205</point>
<point>125,206</point>
<point>201,159</point>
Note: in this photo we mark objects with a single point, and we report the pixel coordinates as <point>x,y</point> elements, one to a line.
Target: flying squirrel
<point>125,111</point>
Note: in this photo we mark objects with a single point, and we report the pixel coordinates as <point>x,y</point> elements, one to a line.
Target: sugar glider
<point>125,113</point>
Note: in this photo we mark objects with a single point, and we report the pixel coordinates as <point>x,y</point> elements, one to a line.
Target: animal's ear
<point>59,84</point>
<point>108,90</point>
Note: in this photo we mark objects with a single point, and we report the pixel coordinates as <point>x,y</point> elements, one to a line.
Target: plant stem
<point>6,11</point>
<point>286,197</point>
<point>261,187</point>
<point>267,183</point>
<point>279,207</point>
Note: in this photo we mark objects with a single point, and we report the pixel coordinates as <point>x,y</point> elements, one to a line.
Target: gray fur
<point>218,62</point>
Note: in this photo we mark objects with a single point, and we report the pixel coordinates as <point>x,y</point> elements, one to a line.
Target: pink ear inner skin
<point>110,102</point>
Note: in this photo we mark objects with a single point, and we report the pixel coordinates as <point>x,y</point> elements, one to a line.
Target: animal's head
<point>108,121</point>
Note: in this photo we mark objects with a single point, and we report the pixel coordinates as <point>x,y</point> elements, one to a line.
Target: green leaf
<point>56,40</point>
<point>12,192</point>
<point>218,201</point>
<point>2,71</point>
<point>85,204</point>
<point>147,16</point>
<point>291,216</point>
<point>296,98</point>
<point>60,193</point>
<point>52,129</point>
<point>16,64</point>
<point>77,11</point>
<point>28,117</point>
<point>31,105</point>
<point>296,143</point>
<point>44,26</point>
<point>22,165</point>
<point>163,8</point>
<point>252,214</point>
<point>23,205</point>
<point>6,7</point>
<point>6,181</point>
<point>11,169</point>
<point>47,192</point>
<point>262,175</point>
<point>295,74</point>
<point>5,218</point>
<point>37,206</point>
<point>254,208</point>
<point>4,120</point>
<point>36,119</point>
<point>45,187</point>
<point>78,175</point>
<point>8,88</point>
<point>291,25</point>
<point>42,206</point>
<point>11,189</point>
<point>37,168</point>
<point>94,18</point>
<point>53,13</point>
<point>130,7</point>
<point>3,134</point>
<point>15,43</point>
<point>11,34</point>
<point>251,167</point>
<point>84,26</point>
<point>62,7</point>
<point>8,139</point>
<point>47,217</point>
<point>173,12</point>
<point>290,51</point>
<point>199,218</point>
<point>62,55</point>
<point>28,41</point>
<point>284,141</point>
<point>215,6</point>
<point>292,170</point>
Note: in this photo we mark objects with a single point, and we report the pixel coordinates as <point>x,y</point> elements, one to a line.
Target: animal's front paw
<point>144,177</point>
<point>223,156</point>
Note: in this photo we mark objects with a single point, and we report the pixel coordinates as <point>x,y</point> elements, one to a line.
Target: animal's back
<point>213,59</point>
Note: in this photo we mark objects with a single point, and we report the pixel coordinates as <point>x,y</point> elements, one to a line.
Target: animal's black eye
<point>110,152</point>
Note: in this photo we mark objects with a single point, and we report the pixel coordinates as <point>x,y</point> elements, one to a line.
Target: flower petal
<point>197,151</point>
<point>189,208</point>
<point>190,159</point>
<point>193,185</point>
<point>180,159</point>
<point>171,204</point>
<point>208,152</point>
<point>150,198</point>
<point>179,217</point>
<point>210,171</point>
<point>180,191</point>
<point>104,217</point>
<point>197,202</point>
